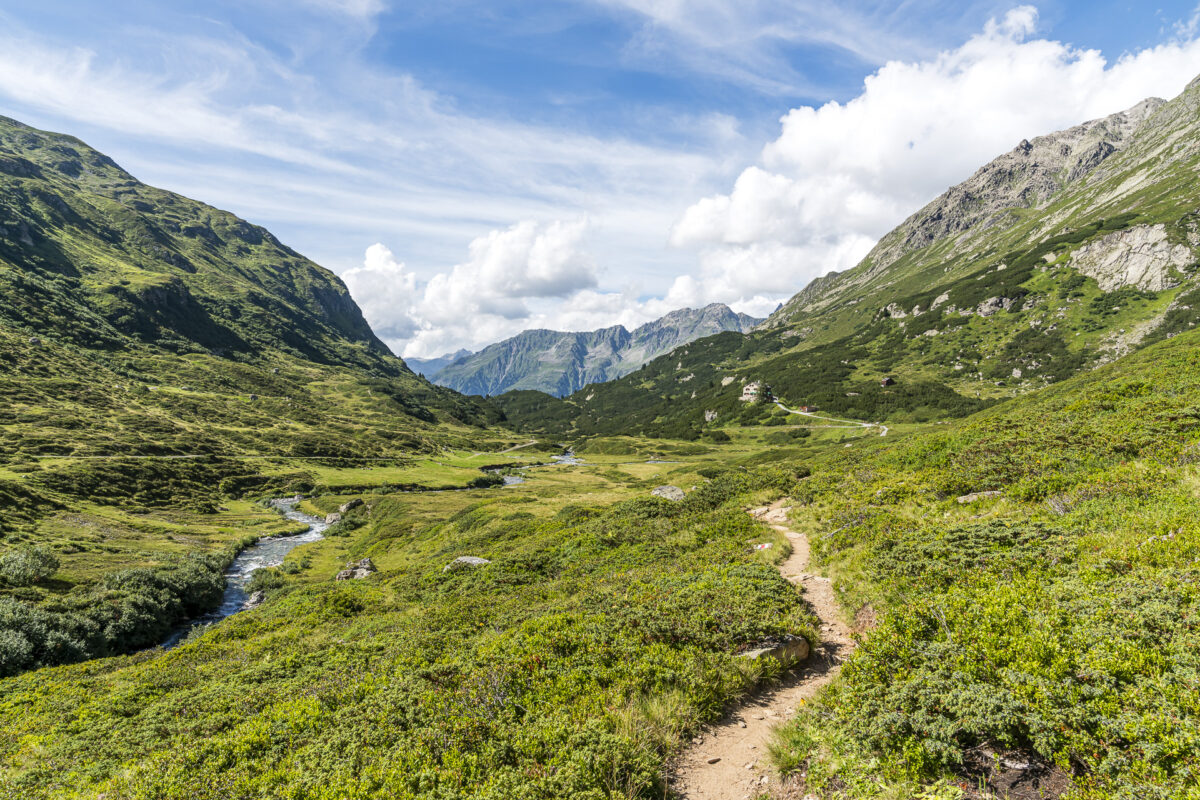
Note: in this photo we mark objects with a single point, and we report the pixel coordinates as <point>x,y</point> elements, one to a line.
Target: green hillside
<point>120,295</point>
<point>160,360</point>
<point>1064,254</point>
<point>1054,624</point>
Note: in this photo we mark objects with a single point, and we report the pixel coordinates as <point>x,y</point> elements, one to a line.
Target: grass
<point>1056,621</point>
<point>570,666</point>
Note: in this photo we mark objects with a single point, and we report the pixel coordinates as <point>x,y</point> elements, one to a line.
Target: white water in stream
<point>267,552</point>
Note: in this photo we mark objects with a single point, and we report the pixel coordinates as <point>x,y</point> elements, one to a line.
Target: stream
<point>268,552</point>
<point>271,551</point>
<point>567,459</point>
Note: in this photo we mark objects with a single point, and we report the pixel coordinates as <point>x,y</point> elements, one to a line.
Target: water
<point>267,552</point>
<point>567,459</point>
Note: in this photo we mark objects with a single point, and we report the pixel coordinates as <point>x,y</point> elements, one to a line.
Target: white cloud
<point>386,291</point>
<point>487,297</point>
<point>842,175</point>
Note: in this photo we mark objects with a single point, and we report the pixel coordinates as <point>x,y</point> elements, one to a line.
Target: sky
<point>473,169</point>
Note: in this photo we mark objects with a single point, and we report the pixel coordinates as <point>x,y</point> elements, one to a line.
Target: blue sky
<point>472,169</point>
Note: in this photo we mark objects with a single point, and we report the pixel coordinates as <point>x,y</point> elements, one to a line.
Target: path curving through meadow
<point>729,759</point>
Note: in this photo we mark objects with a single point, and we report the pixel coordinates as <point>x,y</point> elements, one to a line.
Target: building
<point>889,381</point>
<point>757,392</point>
<point>807,409</point>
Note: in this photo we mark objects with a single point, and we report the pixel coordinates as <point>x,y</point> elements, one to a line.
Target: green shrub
<point>27,565</point>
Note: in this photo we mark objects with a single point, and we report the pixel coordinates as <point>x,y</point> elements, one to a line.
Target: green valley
<point>982,447</point>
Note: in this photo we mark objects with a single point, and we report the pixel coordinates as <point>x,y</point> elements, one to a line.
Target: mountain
<point>138,321</point>
<point>430,367</point>
<point>559,363</point>
<point>1062,254</point>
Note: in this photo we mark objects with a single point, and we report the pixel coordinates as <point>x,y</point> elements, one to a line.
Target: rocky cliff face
<point>1144,257</point>
<point>560,363</point>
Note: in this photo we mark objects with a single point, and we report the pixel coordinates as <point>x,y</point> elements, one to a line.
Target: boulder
<point>668,492</point>
<point>349,506</point>
<point>971,498</point>
<point>255,599</point>
<point>465,562</point>
<point>357,570</point>
<point>787,650</point>
<point>335,517</point>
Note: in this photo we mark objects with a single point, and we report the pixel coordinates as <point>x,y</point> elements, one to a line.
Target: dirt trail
<point>739,741</point>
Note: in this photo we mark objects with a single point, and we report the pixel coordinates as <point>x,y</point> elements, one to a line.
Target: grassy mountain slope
<point>560,363</point>
<point>139,321</point>
<point>1066,253</point>
<point>159,361</point>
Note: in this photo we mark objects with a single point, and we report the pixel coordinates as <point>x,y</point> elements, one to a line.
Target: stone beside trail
<point>729,760</point>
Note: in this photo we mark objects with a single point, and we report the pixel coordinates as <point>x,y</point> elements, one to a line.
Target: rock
<point>790,650</point>
<point>992,305</point>
<point>333,518</point>
<point>349,506</point>
<point>668,492</point>
<point>465,562</point>
<point>971,498</point>
<point>1142,256</point>
<point>895,311</point>
<point>34,340</point>
<point>254,599</point>
<point>710,416</point>
<point>713,759</point>
<point>356,570</point>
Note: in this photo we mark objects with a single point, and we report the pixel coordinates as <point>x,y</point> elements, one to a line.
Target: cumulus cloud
<point>502,287</point>
<point>386,291</point>
<point>842,175</point>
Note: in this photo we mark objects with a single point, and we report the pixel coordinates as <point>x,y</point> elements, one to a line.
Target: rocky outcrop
<point>333,518</point>
<point>673,493</point>
<point>992,305</point>
<point>346,508</point>
<point>357,570</point>
<point>1144,257</point>
<point>465,562</point>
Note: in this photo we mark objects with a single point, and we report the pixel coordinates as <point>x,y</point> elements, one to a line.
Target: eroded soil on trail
<point>729,760</point>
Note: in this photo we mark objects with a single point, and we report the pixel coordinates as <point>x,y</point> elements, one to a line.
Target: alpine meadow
<point>927,530</point>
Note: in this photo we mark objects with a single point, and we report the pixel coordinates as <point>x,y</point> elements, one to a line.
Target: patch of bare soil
<point>1012,775</point>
